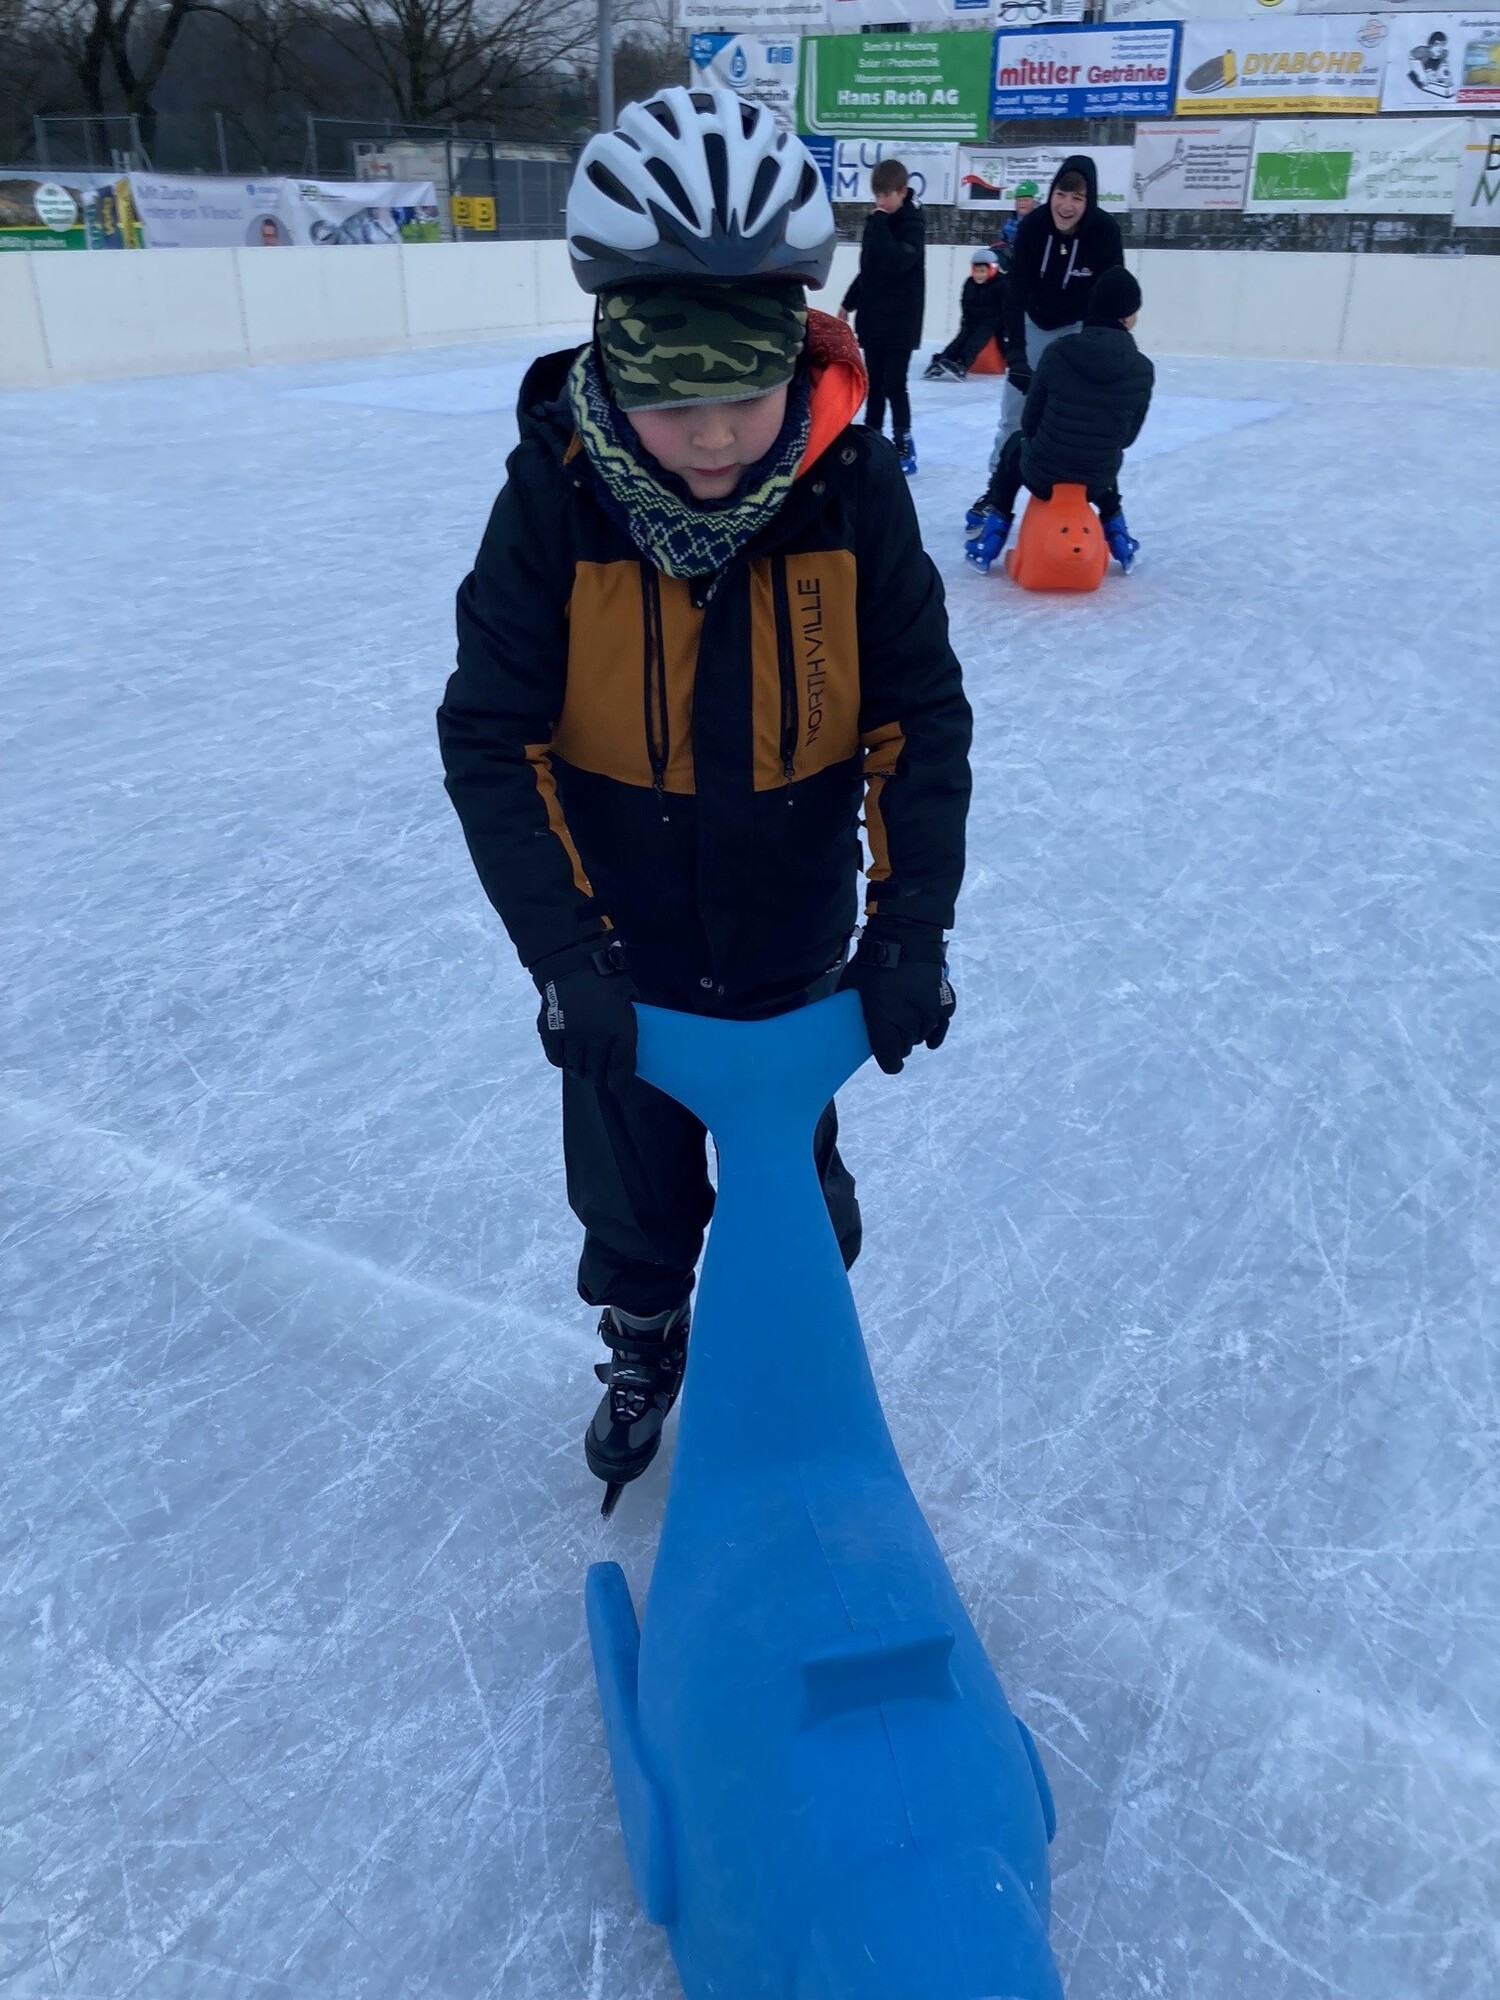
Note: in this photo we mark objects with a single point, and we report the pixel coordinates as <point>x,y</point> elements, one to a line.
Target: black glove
<point>902,979</point>
<point>587,1015</point>
<point>1018,373</point>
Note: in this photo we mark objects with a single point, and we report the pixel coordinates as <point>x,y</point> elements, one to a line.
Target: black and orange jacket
<point>685,763</point>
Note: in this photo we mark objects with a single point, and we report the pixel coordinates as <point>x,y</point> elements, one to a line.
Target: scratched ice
<point>1182,1269</point>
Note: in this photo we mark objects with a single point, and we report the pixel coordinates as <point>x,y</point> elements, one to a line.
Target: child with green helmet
<point>701,647</point>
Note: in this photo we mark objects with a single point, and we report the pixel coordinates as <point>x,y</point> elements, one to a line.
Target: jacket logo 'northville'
<point>810,619</point>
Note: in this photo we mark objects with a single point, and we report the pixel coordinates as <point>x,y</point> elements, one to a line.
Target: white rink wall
<point>77,317</point>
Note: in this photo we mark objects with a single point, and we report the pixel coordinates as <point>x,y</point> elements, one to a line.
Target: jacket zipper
<point>658,726</point>
<point>786,668</point>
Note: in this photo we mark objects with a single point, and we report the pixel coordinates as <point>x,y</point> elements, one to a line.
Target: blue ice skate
<point>982,550</point>
<point>1122,544</point>
<point>906,451</point>
<point>975,516</point>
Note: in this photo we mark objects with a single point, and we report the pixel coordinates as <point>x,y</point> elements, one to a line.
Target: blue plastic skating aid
<point>823,1792</point>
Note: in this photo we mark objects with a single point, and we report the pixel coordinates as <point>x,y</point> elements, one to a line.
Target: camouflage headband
<point>663,346</point>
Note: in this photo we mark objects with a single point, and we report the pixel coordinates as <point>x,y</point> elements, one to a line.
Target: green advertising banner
<point>896,86</point>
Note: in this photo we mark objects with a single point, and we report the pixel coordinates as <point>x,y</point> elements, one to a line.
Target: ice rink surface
<point>1183,1256</point>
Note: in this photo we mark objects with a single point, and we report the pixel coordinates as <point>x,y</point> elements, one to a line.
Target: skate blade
<point>612,1494</point>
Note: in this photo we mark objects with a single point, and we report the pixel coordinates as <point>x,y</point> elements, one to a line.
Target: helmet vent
<point>671,187</point>
<point>766,176</point>
<point>807,187</point>
<point>749,117</point>
<point>661,111</point>
<point>611,185</point>
<point>718,173</point>
<point>702,100</point>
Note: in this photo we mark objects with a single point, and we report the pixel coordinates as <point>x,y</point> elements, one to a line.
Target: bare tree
<point>439,60</point>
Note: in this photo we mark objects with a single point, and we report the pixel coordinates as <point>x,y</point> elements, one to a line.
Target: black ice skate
<point>642,1381</point>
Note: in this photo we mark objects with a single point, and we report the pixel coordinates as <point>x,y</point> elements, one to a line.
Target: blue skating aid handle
<point>823,1792</point>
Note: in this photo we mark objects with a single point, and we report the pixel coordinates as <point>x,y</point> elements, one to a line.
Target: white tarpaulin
<point>1288,68</point>
<point>1443,62</point>
<point>1476,204</point>
<point>988,175</point>
<point>846,165</point>
<point>1190,166</point>
<point>1382,166</point>
<point>360,211</point>
<point>195,212</point>
<point>760,67</point>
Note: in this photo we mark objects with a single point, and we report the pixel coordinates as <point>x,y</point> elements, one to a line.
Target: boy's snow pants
<point>638,1182</point>
<point>1006,484</point>
<point>886,367</point>
<point>1012,402</point>
<point>967,344</point>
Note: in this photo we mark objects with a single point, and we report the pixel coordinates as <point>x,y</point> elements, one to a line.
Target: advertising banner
<point>766,17</point>
<point>1388,166</point>
<point>988,175</point>
<point>844,15</point>
<point>331,212</point>
<point>1476,205</point>
<point>760,67</point>
<point>1190,166</point>
<point>845,165</point>
<point>1287,68</point>
<point>1246,10</point>
<point>1085,72</point>
<point>192,212</point>
<point>1036,13</point>
<point>1443,62</point>
<point>1358,7</point>
<point>63,209</point>
<point>895,86</point>
<point>1196,10</point>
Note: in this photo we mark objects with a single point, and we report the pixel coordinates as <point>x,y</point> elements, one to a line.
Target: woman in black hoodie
<point>1061,249</point>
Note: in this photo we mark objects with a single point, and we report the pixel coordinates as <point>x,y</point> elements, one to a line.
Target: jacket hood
<point>832,357</point>
<point>1078,163</point>
<point>1102,353</point>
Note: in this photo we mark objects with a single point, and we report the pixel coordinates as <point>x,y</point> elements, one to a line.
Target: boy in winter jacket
<point>1061,250</point>
<point>1004,245</point>
<point>700,646</point>
<point>887,300</point>
<point>1087,402</point>
<point>981,320</point>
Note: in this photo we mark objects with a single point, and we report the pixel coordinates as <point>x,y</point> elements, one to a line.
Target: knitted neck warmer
<point>682,536</point>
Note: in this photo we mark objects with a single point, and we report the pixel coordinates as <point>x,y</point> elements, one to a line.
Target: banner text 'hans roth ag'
<point>896,86</point>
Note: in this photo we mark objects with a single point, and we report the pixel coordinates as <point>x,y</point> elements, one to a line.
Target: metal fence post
<point>606,65</point>
<point>223,148</point>
<point>39,127</point>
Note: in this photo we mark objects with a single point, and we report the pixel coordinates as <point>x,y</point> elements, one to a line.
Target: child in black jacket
<point>887,300</point>
<point>981,320</point>
<point>1087,402</point>
<point>701,647</point>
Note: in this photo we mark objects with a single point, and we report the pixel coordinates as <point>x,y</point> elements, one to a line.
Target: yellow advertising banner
<point>1302,66</point>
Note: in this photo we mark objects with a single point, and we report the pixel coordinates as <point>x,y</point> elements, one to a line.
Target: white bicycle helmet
<point>698,184</point>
